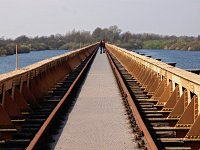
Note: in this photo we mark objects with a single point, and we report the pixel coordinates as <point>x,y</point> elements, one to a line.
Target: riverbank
<point>75,39</point>
<point>11,51</point>
<point>23,52</point>
<point>190,45</point>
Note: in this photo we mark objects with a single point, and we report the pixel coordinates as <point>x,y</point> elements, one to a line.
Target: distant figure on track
<point>101,46</point>
<point>104,45</point>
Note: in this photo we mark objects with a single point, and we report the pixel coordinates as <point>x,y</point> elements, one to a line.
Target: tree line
<point>75,39</point>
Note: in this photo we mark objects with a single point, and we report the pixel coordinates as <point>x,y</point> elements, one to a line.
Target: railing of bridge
<point>22,89</point>
<point>176,90</point>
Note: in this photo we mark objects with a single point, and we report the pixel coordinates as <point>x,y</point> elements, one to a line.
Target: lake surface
<point>7,63</point>
<point>183,59</point>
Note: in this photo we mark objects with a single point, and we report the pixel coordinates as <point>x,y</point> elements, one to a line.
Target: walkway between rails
<point>98,119</point>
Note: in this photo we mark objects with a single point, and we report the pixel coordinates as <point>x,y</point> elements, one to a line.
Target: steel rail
<point>150,142</point>
<point>46,124</point>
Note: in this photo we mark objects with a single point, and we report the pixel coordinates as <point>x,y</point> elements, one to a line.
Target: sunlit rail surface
<point>161,101</point>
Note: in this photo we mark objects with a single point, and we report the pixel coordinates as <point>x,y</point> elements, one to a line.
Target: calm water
<point>183,59</point>
<point>7,63</point>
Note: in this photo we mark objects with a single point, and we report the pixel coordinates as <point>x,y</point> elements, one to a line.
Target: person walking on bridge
<point>104,45</point>
<point>101,46</point>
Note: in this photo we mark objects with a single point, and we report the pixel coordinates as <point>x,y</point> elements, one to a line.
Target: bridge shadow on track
<point>57,127</point>
<point>62,121</point>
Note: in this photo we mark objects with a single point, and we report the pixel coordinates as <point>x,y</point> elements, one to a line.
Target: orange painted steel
<point>5,121</point>
<point>180,106</point>
<point>24,88</point>
<point>176,91</point>
<point>28,95</point>
<point>194,132</point>
<point>172,100</point>
<point>11,107</point>
<point>160,90</point>
<point>166,94</point>
<point>45,125</point>
<point>20,101</point>
<point>190,114</point>
<point>150,142</point>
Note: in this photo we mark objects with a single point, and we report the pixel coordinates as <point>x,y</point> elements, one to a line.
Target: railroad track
<point>152,127</point>
<point>39,125</point>
<point>160,130</point>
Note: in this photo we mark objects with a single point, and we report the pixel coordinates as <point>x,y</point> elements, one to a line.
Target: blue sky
<point>46,17</point>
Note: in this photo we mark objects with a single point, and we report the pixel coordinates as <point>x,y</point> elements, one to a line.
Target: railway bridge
<point>87,100</point>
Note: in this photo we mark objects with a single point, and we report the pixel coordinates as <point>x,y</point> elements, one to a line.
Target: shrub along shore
<point>75,39</point>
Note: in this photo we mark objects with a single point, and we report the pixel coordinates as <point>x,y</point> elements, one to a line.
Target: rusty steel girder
<point>175,91</point>
<point>149,141</point>
<point>24,88</point>
<point>34,142</point>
